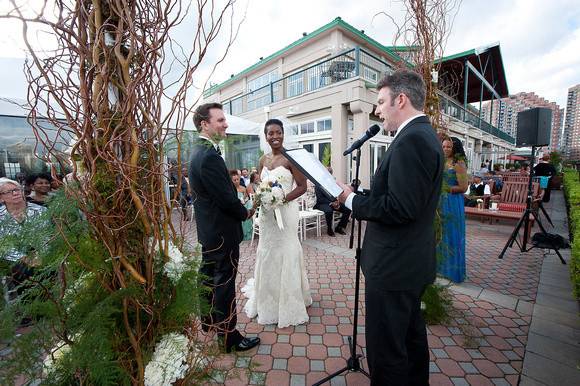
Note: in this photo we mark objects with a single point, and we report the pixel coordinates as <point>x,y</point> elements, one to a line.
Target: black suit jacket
<point>218,210</point>
<point>398,252</point>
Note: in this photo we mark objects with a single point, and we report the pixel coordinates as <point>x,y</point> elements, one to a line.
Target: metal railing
<point>355,62</point>
<point>455,110</point>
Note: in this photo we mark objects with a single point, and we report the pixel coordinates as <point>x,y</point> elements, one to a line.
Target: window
<point>370,74</point>
<point>237,106</point>
<point>309,147</point>
<point>324,125</point>
<point>295,84</point>
<point>293,129</point>
<point>259,90</point>
<point>307,128</point>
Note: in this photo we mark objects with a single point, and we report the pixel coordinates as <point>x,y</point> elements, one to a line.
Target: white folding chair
<point>255,226</point>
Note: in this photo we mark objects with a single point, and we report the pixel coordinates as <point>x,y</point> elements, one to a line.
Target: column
<point>361,111</point>
<point>338,142</point>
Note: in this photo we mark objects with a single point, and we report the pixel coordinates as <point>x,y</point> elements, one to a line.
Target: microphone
<point>371,132</point>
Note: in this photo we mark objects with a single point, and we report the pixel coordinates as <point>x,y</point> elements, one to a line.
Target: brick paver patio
<point>483,344</point>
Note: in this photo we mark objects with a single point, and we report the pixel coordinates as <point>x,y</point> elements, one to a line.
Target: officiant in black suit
<point>398,253</point>
<point>218,215</point>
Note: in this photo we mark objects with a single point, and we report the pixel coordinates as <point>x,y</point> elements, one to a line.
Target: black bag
<point>549,241</point>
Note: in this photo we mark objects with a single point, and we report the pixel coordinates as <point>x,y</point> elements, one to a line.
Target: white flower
<point>57,352</point>
<point>177,264</point>
<point>169,361</point>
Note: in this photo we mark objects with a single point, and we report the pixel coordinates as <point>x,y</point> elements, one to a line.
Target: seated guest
<point>254,183</point>
<point>476,190</point>
<point>41,188</point>
<point>328,206</point>
<point>14,213</point>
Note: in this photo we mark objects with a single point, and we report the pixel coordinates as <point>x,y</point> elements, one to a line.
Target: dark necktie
<point>217,148</point>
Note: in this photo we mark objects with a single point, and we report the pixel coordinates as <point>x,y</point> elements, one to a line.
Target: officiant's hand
<point>335,205</point>
<point>346,190</point>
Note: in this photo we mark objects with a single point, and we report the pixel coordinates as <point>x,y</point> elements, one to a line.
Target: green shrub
<point>572,193</point>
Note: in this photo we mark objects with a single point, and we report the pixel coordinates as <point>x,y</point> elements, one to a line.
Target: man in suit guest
<point>398,253</point>
<point>477,190</point>
<point>323,203</point>
<point>219,215</point>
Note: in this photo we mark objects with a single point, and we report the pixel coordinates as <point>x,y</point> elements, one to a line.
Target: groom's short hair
<point>202,113</point>
<point>273,121</point>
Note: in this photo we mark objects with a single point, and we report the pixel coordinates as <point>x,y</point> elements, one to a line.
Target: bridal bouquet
<point>270,196</point>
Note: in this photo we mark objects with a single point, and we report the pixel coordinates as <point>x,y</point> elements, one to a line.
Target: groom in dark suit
<point>218,215</point>
<point>398,253</point>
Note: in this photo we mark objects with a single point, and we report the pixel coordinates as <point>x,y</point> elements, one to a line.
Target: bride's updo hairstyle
<point>273,121</point>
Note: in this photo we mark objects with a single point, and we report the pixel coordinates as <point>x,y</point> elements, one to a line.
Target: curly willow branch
<point>103,85</point>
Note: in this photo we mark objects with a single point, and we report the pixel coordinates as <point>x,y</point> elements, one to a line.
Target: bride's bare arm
<point>300,180</point>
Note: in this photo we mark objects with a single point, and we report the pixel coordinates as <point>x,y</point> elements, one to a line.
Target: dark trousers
<point>328,211</point>
<point>396,337</point>
<point>219,269</point>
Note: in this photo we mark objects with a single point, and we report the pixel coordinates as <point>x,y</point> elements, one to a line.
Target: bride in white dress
<point>279,292</point>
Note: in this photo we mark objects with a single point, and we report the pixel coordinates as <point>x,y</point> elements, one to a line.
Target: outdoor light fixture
<point>434,76</point>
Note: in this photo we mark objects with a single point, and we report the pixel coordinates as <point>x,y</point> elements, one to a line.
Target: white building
<point>324,85</point>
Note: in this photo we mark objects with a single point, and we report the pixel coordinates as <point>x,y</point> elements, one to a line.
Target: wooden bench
<point>488,214</point>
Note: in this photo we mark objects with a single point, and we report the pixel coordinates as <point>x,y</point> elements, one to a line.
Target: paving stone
<point>468,367</point>
<point>264,349</point>
<point>280,364</point>
<point>433,367</point>
<point>315,339</point>
<point>331,329</point>
<point>500,382</point>
<point>506,368</point>
<point>440,353</point>
<point>334,352</point>
<point>297,380</point>
<point>283,338</point>
<point>243,362</point>
<point>316,365</point>
<point>299,351</point>
<point>300,328</point>
<point>315,319</point>
<point>459,381</point>
<point>257,378</point>
<point>447,341</point>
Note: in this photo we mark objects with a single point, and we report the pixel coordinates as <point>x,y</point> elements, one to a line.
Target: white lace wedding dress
<point>279,292</point>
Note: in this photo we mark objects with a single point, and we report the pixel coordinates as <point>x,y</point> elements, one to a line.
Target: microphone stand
<point>353,362</point>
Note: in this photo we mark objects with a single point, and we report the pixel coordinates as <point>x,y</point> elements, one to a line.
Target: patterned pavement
<point>482,344</point>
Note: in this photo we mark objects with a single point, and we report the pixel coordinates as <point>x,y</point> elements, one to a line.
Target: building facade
<point>323,86</point>
<point>571,137</point>
<point>503,113</point>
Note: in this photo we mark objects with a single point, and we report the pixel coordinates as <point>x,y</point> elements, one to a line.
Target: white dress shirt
<point>348,202</point>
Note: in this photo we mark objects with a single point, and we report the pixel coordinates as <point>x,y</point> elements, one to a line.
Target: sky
<point>539,39</point>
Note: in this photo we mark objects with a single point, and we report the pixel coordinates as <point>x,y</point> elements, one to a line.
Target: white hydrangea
<point>176,265</point>
<point>56,354</point>
<point>178,262</point>
<point>169,361</point>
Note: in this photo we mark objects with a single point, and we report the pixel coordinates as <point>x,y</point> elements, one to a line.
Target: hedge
<point>572,193</point>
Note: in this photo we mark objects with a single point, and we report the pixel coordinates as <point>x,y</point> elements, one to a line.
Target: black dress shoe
<point>330,232</point>
<point>244,345</point>
<point>339,230</point>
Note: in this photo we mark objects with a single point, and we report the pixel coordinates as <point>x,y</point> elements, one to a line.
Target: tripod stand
<point>525,221</point>
<point>353,362</point>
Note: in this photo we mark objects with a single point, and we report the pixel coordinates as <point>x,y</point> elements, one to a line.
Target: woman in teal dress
<point>245,199</point>
<point>451,249</point>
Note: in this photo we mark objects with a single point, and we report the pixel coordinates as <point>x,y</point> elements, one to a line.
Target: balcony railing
<point>353,63</point>
<point>453,109</point>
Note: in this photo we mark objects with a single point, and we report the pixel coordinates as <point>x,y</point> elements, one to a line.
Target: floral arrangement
<point>169,362</point>
<point>270,196</point>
